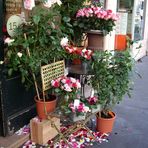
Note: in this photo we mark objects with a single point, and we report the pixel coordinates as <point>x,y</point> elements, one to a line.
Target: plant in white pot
<point>111,81</point>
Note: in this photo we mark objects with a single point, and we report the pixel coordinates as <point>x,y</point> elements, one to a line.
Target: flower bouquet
<point>95,18</point>
<point>76,52</point>
<point>93,104</point>
<point>78,109</point>
<point>67,88</point>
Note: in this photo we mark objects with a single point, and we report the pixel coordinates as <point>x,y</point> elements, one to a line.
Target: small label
<point>13,22</point>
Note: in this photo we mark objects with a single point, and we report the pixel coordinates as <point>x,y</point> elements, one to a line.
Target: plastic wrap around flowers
<point>96,18</point>
<point>66,86</point>
<point>84,53</point>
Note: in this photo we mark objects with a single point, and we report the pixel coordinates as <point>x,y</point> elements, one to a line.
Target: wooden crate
<point>42,132</point>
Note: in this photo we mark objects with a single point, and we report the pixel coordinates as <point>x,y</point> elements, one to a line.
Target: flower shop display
<point>93,103</point>
<point>81,53</point>
<point>111,80</point>
<point>67,88</point>
<point>96,18</point>
<point>68,10</point>
<point>78,109</point>
<point>35,43</point>
<point>96,22</point>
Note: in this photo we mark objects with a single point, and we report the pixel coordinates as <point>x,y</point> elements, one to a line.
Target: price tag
<point>13,22</point>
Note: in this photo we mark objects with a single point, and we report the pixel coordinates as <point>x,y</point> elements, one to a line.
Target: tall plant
<point>111,79</point>
<point>68,11</point>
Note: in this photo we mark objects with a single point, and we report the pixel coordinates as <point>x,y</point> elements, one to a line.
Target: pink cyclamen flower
<point>92,100</point>
<point>55,83</point>
<point>67,88</point>
<point>80,108</point>
<point>69,49</point>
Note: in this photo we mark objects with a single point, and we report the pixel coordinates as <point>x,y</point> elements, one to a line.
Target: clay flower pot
<point>105,125</point>
<point>50,106</point>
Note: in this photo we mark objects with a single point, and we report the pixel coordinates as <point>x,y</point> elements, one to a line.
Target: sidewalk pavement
<point>131,125</point>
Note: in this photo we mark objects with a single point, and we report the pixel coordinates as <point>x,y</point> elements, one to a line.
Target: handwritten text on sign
<point>13,22</point>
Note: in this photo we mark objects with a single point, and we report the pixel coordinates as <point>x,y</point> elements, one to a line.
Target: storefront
<point>16,104</point>
<point>132,20</point>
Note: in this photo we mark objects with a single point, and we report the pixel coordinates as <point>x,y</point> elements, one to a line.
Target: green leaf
<point>36,19</point>
<point>10,71</point>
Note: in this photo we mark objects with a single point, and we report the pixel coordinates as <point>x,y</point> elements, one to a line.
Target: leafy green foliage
<point>43,34</point>
<point>68,9</point>
<point>111,79</point>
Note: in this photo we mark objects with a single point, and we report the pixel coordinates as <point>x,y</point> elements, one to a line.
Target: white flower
<point>64,41</point>
<point>84,50</point>
<point>86,109</point>
<point>19,54</point>
<point>1,62</point>
<point>78,84</point>
<point>67,88</point>
<point>8,41</point>
<point>48,4</point>
<point>73,80</point>
<point>59,2</point>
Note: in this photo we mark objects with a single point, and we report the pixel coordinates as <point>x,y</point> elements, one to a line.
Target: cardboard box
<point>42,131</point>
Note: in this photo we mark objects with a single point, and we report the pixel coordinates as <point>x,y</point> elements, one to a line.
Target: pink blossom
<point>55,83</point>
<point>80,13</point>
<point>67,88</point>
<point>69,49</point>
<point>96,10</point>
<point>80,108</point>
<point>73,80</point>
<point>29,4</point>
<point>92,100</point>
<point>71,106</point>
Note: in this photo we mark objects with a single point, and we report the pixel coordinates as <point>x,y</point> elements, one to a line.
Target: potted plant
<point>111,81</point>
<point>35,44</point>
<point>67,88</point>
<point>68,9</point>
<point>82,54</point>
<point>96,22</point>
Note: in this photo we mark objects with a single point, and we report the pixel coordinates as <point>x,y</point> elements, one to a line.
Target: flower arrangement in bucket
<point>67,88</point>
<point>93,103</point>
<point>93,17</point>
<point>74,52</point>
<point>78,109</point>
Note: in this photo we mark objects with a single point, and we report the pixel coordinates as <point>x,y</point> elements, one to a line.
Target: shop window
<point>139,20</point>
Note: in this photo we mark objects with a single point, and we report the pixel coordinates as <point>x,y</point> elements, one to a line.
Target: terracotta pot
<point>105,125</point>
<point>77,61</point>
<point>50,107</point>
<point>95,40</point>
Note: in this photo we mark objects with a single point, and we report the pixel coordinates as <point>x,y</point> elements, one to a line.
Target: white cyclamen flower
<point>8,41</point>
<point>48,4</point>
<point>1,62</point>
<point>73,80</point>
<point>59,2</point>
<point>64,41</point>
<point>19,54</point>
